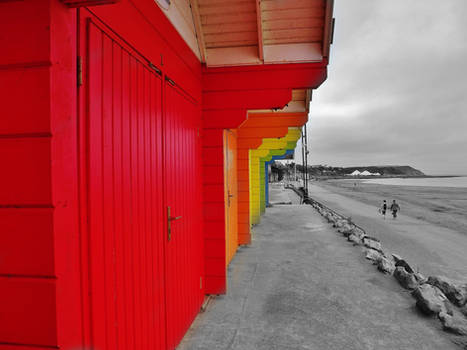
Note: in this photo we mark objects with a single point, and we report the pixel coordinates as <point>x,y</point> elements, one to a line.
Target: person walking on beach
<point>383,209</point>
<point>394,208</point>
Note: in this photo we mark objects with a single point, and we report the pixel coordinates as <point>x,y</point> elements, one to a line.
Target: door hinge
<point>200,282</point>
<point>154,68</point>
<point>229,196</point>
<point>79,71</point>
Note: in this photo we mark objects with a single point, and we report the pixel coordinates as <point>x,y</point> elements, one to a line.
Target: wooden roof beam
<point>328,27</point>
<point>259,25</point>
<point>199,29</point>
<point>309,94</point>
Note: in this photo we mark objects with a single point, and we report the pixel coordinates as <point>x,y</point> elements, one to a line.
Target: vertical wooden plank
<point>158,215</point>
<point>200,220</point>
<point>135,205</point>
<point>175,292</point>
<point>127,203</point>
<point>119,300</point>
<point>147,210</point>
<point>169,179</point>
<point>141,210</point>
<point>187,249</point>
<point>178,227</point>
<point>108,196</point>
<point>152,219</point>
<point>226,194</point>
<point>83,164</point>
<point>96,243</point>
<point>183,130</point>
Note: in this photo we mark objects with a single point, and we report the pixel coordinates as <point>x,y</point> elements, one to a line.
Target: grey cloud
<point>397,87</point>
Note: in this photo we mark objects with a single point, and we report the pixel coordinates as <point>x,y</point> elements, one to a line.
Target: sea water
<point>460,181</point>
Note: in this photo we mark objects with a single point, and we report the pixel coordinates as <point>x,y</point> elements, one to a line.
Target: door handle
<point>169,223</point>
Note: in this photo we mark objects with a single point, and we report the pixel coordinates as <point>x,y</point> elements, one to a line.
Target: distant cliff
<point>330,171</point>
<point>387,170</point>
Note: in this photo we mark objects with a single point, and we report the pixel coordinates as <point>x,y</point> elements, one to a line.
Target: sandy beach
<point>430,232</point>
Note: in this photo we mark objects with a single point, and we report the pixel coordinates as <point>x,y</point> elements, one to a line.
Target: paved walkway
<point>300,285</point>
<point>279,196</point>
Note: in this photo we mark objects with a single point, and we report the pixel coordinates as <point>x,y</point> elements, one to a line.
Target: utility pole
<point>305,159</point>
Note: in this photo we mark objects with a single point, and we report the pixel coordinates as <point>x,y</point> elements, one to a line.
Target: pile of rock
<point>435,295</point>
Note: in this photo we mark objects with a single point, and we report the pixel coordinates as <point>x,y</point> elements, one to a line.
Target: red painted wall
<point>213,210</point>
<point>38,216</point>
<point>84,188</point>
<point>143,25</point>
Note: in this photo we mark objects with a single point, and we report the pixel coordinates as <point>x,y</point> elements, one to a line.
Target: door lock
<point>169,223</point>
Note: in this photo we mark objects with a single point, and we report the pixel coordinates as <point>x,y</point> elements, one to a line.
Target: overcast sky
<point>396,91</point>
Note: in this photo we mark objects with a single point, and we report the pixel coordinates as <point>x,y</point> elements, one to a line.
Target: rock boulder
<point>405,278</point>
<point>386,265</point>
<point>354,238</point>
<point>430,300</point>
<point>455,292</point>
<point>373,255</point>
<point>346,230</point>
<point>340,223</point>
<point>396,257</point>
<point>404,264</point>
<point>453,323</point>
<point>420,278</point>
<point>372,243</point>
<point>463,310</point>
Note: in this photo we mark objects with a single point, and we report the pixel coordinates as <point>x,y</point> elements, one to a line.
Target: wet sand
<point>443,206</point>
<point>431,231</point>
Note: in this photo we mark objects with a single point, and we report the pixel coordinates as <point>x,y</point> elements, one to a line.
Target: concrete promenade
<point>300,285</point>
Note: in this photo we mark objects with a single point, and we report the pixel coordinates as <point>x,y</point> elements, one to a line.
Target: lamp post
<point>305,159</point>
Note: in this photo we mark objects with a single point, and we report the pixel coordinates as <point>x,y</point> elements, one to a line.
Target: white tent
<point>376,174</point>
<point>355,173</point>
<point>365,173</point>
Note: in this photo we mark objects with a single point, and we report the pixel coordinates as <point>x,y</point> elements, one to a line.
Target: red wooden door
<point>230,193</point>
<point>123,248</point>
<point>140,154</point>
<point>184,291</point>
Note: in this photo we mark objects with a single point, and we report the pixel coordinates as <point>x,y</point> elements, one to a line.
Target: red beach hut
<point>113,148</point>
